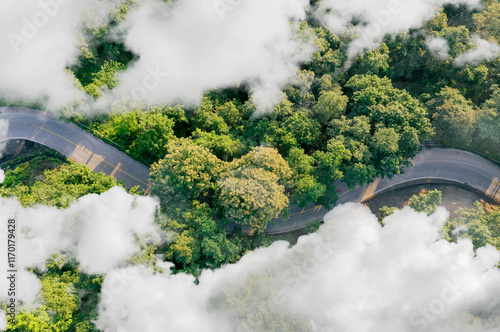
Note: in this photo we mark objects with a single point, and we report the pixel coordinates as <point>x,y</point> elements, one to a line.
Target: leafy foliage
<point>487,22</point>
<point>383,128</point>
<point>68,300</point>
<point>453,116</point>
<point>187,172</point>
<point>386,211</point>
<point>217,162</point>
<point>478,225</point>
<point>489,118</point>
<point>426,201</point>
<point>251,196</point>
<point>59,186</point>
<point>104,78</point>
<point>142,134</point>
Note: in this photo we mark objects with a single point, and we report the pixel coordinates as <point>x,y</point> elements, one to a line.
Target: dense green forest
<point>334,123</point>
<point>217,162</point>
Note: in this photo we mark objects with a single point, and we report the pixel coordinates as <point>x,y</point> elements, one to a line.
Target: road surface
<point>430,165</point>
<point>73,142</point>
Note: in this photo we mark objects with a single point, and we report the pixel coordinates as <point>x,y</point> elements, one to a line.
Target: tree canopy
<point>59,186</point>
<point>220,163</point>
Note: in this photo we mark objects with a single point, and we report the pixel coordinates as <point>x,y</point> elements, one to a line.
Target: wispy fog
<point>352,275</point>
<point>97,230</point>
<point>439,47</point>
<point>39,39</point>
<point>376,19</point>
<point>483,50</point>
<point>199,45</point>
<point>189,47</point>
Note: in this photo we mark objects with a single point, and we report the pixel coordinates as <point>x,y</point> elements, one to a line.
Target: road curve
<point>430,165</point>
<point>73,142</point>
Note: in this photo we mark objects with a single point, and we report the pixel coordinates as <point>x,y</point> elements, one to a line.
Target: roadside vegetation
<point>353,125</point>
<point>333,124</point>
<point>216,163</point>
<point>481,224</point>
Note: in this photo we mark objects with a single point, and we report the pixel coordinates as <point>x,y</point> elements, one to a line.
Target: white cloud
<point>199,45</point>
<point>183,50</point>
<point>3,321</point>
<point>379,18</point>
<point>485,51</point>
<point>187,48</point>
<point>4,129</point>
<point>97,230</point>
<point>438,46</point>
<point>39,39</point>
<point>352,275</point>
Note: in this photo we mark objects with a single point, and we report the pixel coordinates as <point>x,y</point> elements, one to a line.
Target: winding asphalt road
<point>430,165</point>
<point>73,142</point>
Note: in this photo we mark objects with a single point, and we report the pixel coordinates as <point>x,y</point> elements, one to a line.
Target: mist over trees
<point>226,161</point>
<point>339,118</point>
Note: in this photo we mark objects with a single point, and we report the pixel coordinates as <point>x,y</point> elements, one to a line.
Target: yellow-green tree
<point>269,160</point>
<point>331,103</point>
<point>251,196</point>
<point>426,201</point>
<point>60,186</point>
<point>57,311</point>
<point>481,226</point>
<point>487,22</point>
<point>188,171</point>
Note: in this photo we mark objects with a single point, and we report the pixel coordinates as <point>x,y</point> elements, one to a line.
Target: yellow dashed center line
<point>296,213</point>
<point>317,207</point>
<point>84,149</point>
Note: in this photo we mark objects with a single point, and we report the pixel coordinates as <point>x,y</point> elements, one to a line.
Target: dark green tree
<point>143,134</point>
<point>453,116</point>
<point>489,118</point>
